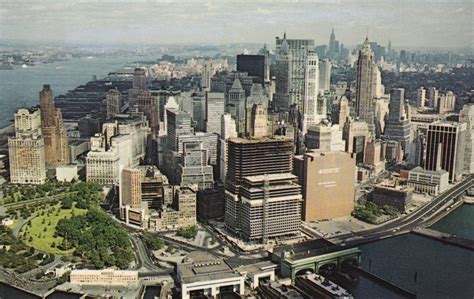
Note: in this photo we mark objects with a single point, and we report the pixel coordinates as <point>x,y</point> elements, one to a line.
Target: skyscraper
<point>445,146</point>
<point>325,67</point>
<point>312,114</point>
<point>421,97</point>
<point>26,149</point>
<point>333,47</point>
<point>56,145</point>
<point>207,73</point>
<point>149,105</point>
<point>215,107</point>
<point>258,122</point>
<point>327,180</point>
<point>433,97</point>
<point>364,70</point>
<point>466,115</point>
<point>281,99</point>
<point>194,168</point>
<point>254,65</point>
<point>297,53</point>
<point>260,189</point>
<point>397,125</point>
<point>236,104</point>
<point>114,102</point>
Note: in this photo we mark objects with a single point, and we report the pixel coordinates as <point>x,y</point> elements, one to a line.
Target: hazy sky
<point>413,23</point>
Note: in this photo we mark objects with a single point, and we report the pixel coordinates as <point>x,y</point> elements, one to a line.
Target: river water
<point>21,87</point>
<point>460,222</point>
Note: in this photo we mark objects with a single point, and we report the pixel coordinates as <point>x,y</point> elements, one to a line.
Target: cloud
<point>410,23</point>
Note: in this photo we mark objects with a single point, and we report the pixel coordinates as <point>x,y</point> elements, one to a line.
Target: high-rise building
<point>283,81</point>
<point>228,130</point>
<point>312,113</point>
<point>236,104</point>
<point>333,47</point>
<point>365,67</point>
<point>254,65</point>
<point>56,145</point>
<point>325,137</point>
<point>263,200</point>
<point>325,67</point>
<point>258,122</point>
<point>131,188</point>
<point>26,149</point>
<point>122,144</point>
<point>421,97</point>
<point>149,105</point>
<point>466,115</point>
<point>298,50</point>
<point>344,111</point>
<point>194,168</point>
<point>206,75</point>
<point>397,125</point>
<point>255,169</point>
<point>178,123</point>
<point>377,87</point>
<point>433,97</point>
<point>327,180</point>
<point>139,79</point>
<point>215,107</point>
<point>199,111</point>
<point>114,102</point>
<point>447,103</point>
<point>445,146</point>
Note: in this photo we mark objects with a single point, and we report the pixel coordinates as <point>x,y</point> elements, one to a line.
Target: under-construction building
<point>262,197</point>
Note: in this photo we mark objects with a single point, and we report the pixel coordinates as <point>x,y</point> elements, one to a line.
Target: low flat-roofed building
<point>254,271</point>
<point>277,290</point>
<point>393,195</point>
<point>208,276</point>
<point>108,277</point>
<point>320,287</point>
<point>67,173</point>
<point>432,182</point>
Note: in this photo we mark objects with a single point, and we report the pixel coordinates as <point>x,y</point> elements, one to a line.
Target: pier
<point>445,238</point>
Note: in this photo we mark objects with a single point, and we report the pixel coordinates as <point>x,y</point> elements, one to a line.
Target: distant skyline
<point>415,23</point>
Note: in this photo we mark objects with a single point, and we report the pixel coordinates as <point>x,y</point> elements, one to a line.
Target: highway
<point>406,224</point>
<point>143,254</point>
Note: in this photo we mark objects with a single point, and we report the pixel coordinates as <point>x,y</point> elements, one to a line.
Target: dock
<point>445,238</point>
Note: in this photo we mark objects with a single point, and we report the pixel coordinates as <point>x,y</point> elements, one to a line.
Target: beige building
<point>106,277</point>
<point>131,188</point>
<point>327,180</point>
<point>180,213</point>
<point>26,149</point>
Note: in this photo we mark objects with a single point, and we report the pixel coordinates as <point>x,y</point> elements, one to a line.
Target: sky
<point>409,23</point>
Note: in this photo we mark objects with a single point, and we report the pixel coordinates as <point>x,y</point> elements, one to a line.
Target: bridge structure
<point>333,257</point>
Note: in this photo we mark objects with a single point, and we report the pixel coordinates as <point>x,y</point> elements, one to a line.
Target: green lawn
<point>41,239</point>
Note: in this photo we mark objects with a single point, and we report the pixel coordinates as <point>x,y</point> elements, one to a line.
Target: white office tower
<point>194,169</point>
<point>311,115</point>
<point>466,115</point>
<point>421,97</point>
<point>365,67</point>
<point>325,67</point>
<point>121,144</point>
<point>171,104</point>
<point>215,105</point>
<point>26,149</point>
<point>228,130</point>
<point>377,87</point>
